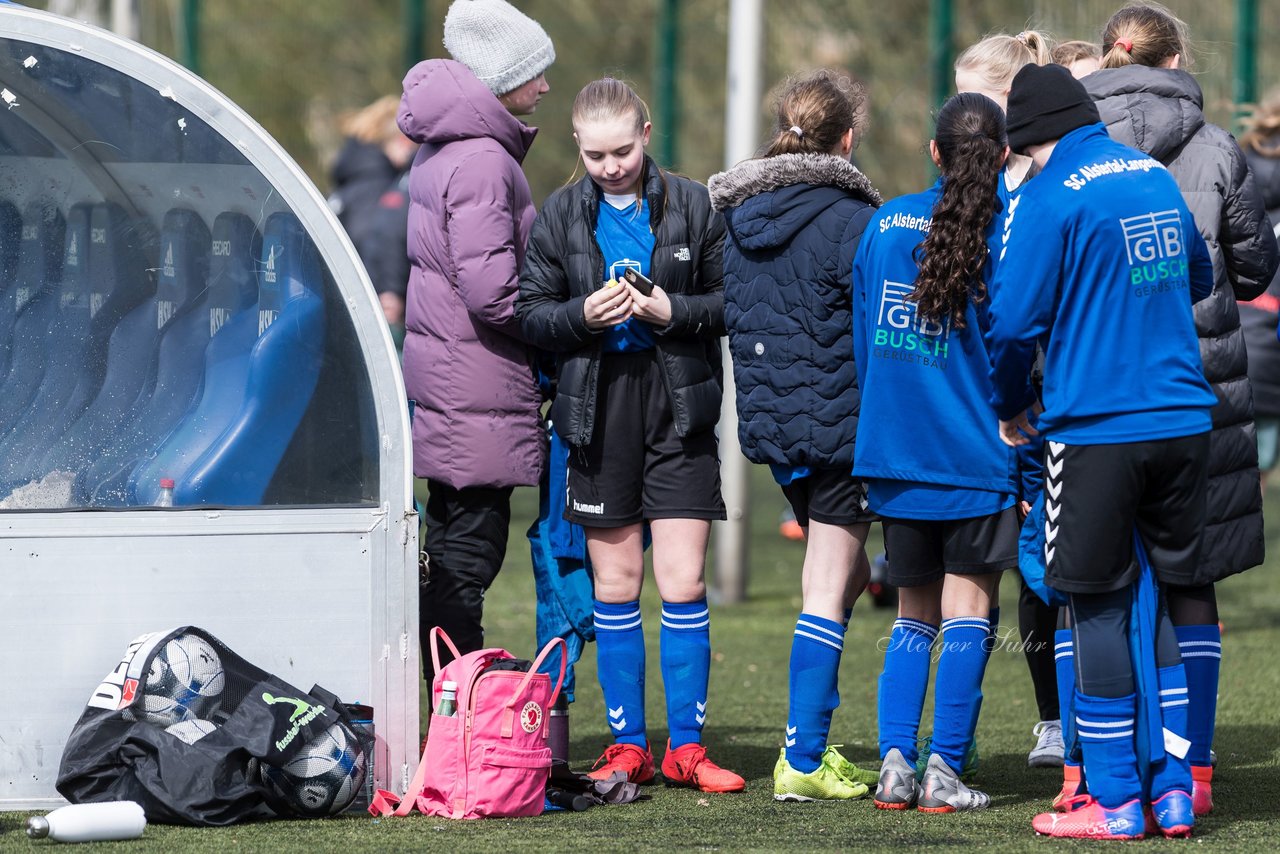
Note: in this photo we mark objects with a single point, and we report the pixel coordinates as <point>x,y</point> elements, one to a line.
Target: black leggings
<point>1036,623</point>
<point>465,543</point>
<point>1192,606</point>
<point>1100,624</point>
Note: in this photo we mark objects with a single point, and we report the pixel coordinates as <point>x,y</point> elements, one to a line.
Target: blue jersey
<point>1029,456</point>
<point>928,442</point>
<point>1101,263</point>
<point>626,241</point>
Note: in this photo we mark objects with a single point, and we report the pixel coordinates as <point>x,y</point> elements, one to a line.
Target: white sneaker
<point>942,791</point>
<point>1049,747</point>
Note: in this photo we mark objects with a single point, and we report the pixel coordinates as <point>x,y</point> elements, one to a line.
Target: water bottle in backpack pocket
<point>491,757</point>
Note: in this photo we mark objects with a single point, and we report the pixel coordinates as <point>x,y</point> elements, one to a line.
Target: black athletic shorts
<point>832,496</point>
<point>1096,494</point>
<point>636,467</point>
<point>921,551</point>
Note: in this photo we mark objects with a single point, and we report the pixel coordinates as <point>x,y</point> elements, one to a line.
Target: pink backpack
<point>491,758</point>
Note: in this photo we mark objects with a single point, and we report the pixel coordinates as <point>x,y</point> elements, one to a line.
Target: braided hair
<point>971,143</point>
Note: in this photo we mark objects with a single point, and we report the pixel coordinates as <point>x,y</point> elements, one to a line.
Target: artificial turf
<point>746,715</point>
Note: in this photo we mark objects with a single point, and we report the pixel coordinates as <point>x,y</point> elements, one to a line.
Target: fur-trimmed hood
<point>752,177</point>
<point>767,202</point>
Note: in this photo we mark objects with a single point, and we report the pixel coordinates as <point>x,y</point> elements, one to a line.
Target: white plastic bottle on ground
<point>90,823</point>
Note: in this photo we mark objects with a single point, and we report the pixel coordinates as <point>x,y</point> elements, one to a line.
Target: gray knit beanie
<point>502,46</point>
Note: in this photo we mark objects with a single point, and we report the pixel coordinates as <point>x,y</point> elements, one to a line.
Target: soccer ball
<point>184,682</point>
<point>323,777</point>
<point>191,731</point>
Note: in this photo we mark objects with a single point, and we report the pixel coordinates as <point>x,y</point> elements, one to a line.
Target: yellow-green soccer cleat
<point>822,784</point>
<point>834,760</point>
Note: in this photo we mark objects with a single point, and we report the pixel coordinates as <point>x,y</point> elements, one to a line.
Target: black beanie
<point>1046,103</point>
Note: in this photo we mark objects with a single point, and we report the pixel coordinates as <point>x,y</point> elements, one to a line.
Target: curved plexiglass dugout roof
<point>176,300</point>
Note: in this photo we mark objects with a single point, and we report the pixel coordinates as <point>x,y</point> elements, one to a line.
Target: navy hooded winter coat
<point>793,225</point>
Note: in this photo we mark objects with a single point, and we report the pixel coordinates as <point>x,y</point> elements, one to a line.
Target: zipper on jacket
<point>593,371</point>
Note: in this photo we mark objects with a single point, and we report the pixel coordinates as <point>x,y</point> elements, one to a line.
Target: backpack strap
<point>389,803</point>
<point>437,632</point>
<point>508,712</point>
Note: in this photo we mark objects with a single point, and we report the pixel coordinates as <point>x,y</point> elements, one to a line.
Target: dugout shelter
<point>177,303</point>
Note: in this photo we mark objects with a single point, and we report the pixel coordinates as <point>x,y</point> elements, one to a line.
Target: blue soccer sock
<point>1064,661</point>
<point>957,687</point>
<point>1172,773</point>
<point>620,666</point>
<point>904,681</point>
<point>1201,648</point>
<point>1105,727</point>
<point>686,666</point>
<point>815,667</point>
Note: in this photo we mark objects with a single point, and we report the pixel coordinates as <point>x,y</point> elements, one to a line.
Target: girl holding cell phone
<point>637,399</point>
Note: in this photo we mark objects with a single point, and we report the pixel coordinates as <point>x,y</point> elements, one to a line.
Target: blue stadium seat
<point>133,349</point>
<point>233,320</point>
<point>283,369</point>
<point>203,295</point>
<point>123,260</point>
<point>115,280</point>
<point>35,298</point>
<point>51,251</point>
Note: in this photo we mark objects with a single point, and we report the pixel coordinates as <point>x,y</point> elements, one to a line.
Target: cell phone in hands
<point>638,280</point>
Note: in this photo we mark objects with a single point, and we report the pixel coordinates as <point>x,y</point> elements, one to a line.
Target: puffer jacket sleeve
<point>1248,241</point>
<point>549,317</point>
<point>482,239</point>
<point>701,315</point>
<point>849,243</point>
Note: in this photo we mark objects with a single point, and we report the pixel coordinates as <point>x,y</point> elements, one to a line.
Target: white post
<point>125,19</point>
<point>741,137</point>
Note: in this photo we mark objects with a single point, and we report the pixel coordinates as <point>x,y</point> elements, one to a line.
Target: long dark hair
<point>971,140</point>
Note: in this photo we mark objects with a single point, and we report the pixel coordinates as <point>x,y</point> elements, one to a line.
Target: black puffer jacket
<point>1159,111</point>
<point>794,222</point>
<point>563,265</point>
<point>1260,317</point>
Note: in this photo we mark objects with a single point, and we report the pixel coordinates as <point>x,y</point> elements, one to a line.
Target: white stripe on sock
<point>704,612</point>
<point>1173,691</point>
<point>1165,704</point>
<point>1107,724</point>
<point>601,628</point>
<point>916,626</point>
<point>1061,655</point>
<point>671,625</point>
<point>975,622</point>
<point>1098,736</point>
<point>1202,655</point>
<point>1064,645</point>
<point>1214,644</point>
<point>616,617</point>
<point>820,639</point>
<point>837,635</point>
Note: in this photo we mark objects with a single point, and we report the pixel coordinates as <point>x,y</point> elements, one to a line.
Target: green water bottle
<point>448,706</point>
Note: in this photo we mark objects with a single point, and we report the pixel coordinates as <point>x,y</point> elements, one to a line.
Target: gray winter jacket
<point>1159,111</point>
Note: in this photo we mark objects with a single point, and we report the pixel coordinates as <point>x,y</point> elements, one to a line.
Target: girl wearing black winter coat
<point>1148,101</point>
<point>794,218</point>
<point>637,399</point>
